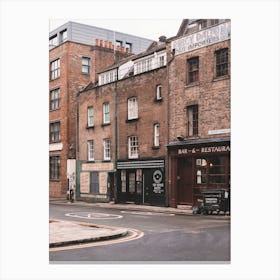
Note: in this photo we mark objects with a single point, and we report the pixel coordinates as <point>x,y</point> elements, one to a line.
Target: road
<point>167,237</point>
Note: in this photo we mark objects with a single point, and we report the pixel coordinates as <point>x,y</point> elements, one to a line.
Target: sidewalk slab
<point>62,233</point>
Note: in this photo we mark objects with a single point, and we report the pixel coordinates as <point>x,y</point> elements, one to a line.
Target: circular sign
<point>157,176</point>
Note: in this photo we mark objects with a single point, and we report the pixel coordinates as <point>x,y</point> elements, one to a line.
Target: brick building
<point>135,136</point>
<point>77,53</point>
<point>199,110</point>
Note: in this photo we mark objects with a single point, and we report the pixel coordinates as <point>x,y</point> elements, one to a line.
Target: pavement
<point>64,233</point>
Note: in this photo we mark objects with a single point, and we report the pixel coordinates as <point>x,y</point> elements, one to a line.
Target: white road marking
<point>93,216</point>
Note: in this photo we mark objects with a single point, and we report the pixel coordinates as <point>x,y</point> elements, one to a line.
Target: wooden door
<point>185,181</point>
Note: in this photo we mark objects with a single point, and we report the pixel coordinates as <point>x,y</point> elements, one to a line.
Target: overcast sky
<point>147,28</point>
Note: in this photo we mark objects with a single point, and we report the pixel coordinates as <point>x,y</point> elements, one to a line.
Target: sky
<point>147,28</point>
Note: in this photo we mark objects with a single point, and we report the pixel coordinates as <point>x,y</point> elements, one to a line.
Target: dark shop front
<point>141,182</point>
<point>197,165</point>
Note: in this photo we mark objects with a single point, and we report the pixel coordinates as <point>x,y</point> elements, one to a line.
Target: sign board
<point>84,182</point>
<point>201,150</point>
<point>203,38</point>
<point>158,186</point>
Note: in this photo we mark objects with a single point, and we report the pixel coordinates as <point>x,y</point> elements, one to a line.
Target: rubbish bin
<point>215,200</point>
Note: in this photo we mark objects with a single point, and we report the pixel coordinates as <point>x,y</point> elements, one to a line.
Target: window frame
<point>90,150</point>
<point>63,37</point>
<point>192,120</point>
<point>156,135</point>
<point>221,62</point>
<point>133,147</point>
<point>55,69</point>
<point>90,116</point>
<point>54,168</point>
<point>86,66</point>
<point>107,149</point>
<point>55,130</point>
<point>106,114</point>
<point>132,108</point>
<point>159,92</point>
<point>193,69</point>
<point>54,100</point>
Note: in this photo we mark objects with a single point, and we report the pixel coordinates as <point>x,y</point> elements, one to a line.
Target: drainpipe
<point>115,127</point>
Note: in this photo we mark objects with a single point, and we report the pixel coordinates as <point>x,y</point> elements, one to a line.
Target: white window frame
<point>156,135</point>
<point>85,65</point>
<point>90,113</point>
<point>90,150</point>
<point>107,149</point>
<point>55,69</point>
<point>159,92</point>
<point>106,113</point>
<point>132,108</point>
<point>133,147</point>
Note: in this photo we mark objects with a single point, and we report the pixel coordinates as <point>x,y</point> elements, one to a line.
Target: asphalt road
<point>167,238</point>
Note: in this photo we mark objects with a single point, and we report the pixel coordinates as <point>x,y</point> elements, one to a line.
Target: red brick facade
<point>70,81</point>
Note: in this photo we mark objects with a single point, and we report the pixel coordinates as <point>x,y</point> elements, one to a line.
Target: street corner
<point>65,235</point>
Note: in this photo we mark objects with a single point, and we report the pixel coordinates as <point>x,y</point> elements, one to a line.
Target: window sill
<point>155,147</point>
<point>54,79</point>
<point>54,180</point>
<point>90,127</point>
<point>158,100</point>
<point>132,120</point>
<point>220,78</point>
<point>87,74</point>
<point>194,84</point>
<point>52,110</point>
<point>106,160</point>
<point>105,124</point>
<point>90,160</point>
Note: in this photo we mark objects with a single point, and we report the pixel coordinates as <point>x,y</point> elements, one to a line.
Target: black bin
<point>215,200</point>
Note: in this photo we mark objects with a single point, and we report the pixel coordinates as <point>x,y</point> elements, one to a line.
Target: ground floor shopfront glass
<point>141,182</point>
<point>198,165</point>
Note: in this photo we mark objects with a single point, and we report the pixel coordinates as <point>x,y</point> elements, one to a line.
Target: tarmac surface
<point>65,233</point>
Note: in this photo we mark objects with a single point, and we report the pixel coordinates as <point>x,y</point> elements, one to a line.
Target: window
<point>123,179</point>
<point>53,41</point>
<point>132,108</point>
<point>133,147</point>
<point>159,95</point>
<point>55,132</point>
<point>55,69</point>
<point>90,117</point>
<point>119,43</point>
<point>85,65</point>
<point>214,21</point>
<point>107,149</point>
<point>106,113</point>
<point>202,24</point>
<point>54,167</point>
<point>156,135</point>
<point>161,60</point>
<point>63,35</point>
<point>55,99</point>
<point>192,122</point>
<point>193,69</point>
<point>90,147</point>
<point>221,62</point>
<point>128,46</point>
<point>211,170</point>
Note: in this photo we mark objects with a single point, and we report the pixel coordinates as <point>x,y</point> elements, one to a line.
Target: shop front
<point>141,182</point>
<point>197,165</point>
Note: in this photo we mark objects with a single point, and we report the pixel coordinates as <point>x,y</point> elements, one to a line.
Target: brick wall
<point>212,95</point>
